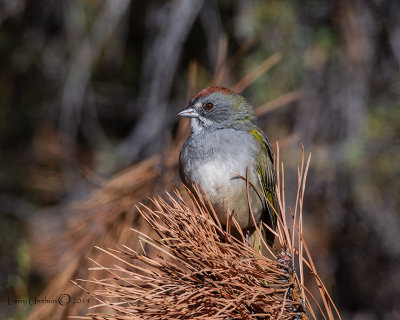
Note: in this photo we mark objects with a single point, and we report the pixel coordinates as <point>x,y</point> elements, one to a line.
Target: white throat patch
<point>198,124</point>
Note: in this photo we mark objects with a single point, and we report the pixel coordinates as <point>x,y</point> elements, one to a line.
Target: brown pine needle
<point>257,72</point>
<point>197,270</point>
<point>278,102</point>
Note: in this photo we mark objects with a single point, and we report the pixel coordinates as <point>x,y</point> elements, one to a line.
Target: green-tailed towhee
<point>224,142</point>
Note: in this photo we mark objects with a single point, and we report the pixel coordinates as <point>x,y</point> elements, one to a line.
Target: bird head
<point>218,107</point>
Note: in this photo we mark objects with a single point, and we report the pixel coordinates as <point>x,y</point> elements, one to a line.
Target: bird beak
<point>189,112</point>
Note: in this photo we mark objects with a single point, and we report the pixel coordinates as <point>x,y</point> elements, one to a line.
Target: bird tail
<point>255,239</point>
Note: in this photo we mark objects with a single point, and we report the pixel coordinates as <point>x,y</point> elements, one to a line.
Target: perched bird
<point>225,141</point>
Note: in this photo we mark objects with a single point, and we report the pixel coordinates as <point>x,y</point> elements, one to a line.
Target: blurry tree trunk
<point>213,29</point>
<point>331,118</point>
<point>334,104</point>
<point>86,47</point>
<point>333,108</point>
<point>168,25</point>
<point>85,52</point>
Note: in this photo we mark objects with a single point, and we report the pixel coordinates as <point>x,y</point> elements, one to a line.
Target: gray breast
<point>211,159</point>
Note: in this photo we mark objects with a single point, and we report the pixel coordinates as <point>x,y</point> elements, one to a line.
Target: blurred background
<point>90,87</point>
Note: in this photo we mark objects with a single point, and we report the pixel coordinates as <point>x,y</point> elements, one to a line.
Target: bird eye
<point>209,106</point>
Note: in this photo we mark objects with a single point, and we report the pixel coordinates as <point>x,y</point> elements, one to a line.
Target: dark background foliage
<point>92,87</point>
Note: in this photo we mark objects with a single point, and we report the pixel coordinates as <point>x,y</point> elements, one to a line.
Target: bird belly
<point>227,191</point>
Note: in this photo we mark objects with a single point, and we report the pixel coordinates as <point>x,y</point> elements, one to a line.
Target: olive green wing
<point>267,177</point>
